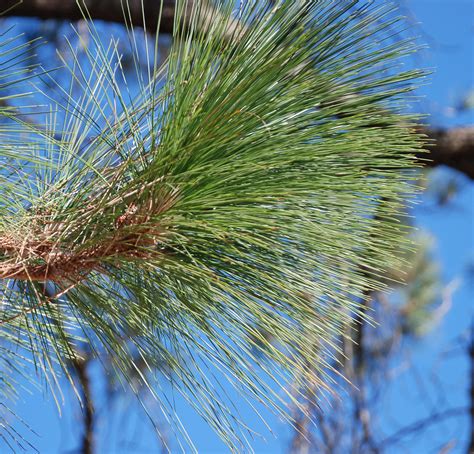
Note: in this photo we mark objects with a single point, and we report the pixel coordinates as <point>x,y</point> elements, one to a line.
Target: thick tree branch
<point>155,15</point>
<point>451,147</point>
<point>106,10</point>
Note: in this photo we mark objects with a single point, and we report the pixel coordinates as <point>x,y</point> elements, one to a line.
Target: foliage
<point>253,184</point>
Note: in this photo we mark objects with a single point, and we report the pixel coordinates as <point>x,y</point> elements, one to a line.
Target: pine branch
<point>228,194</point>
<point>451,147</point>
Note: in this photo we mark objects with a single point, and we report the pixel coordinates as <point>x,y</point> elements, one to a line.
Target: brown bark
<point>106,10</point>
<point>451,147</point>
<point>80,367</point>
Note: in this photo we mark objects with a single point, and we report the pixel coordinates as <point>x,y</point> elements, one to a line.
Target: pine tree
<point>227,219</point>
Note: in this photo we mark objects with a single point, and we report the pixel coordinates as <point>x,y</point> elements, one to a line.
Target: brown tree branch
<point>79,364</point>
<point>156,15</point>
<point>106,10</point>
<point>451,147</point>
<point>80,367</point>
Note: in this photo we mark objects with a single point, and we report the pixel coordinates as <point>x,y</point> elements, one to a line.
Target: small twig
<point>470,449</point>
<point>422,424</point>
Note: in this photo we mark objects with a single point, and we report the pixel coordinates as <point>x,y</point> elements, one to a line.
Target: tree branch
<point>422,424</point>
<point>106,10</point>
<point>470,449</point>
<point>80,367</point>
<point>451,147</point>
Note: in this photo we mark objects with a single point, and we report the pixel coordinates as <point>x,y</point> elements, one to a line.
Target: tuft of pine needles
<point>226,217</point>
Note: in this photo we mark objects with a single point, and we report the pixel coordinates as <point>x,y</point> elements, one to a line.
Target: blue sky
<point>448,28</point>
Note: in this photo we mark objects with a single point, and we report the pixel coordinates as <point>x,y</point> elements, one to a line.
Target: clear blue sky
<point>448,27</point>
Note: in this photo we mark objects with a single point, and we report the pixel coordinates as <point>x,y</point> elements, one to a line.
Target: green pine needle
<point>227,219</point>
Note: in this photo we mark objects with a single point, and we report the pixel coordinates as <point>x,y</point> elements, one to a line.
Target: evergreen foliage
<point>227,220</point>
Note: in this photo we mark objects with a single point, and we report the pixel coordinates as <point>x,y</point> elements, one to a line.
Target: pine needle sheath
<point>224,213</point>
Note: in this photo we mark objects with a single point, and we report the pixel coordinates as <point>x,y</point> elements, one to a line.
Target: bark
<point>106,10</point>
<point>451,147</point>
<point>80,367</point>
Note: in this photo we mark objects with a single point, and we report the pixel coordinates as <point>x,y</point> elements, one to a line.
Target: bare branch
<point>470,449</point>
<point>451,147</point>
<point>154,15</point>
<point>422,424</point>
<point>80,367</point>
<point>106,10</point>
